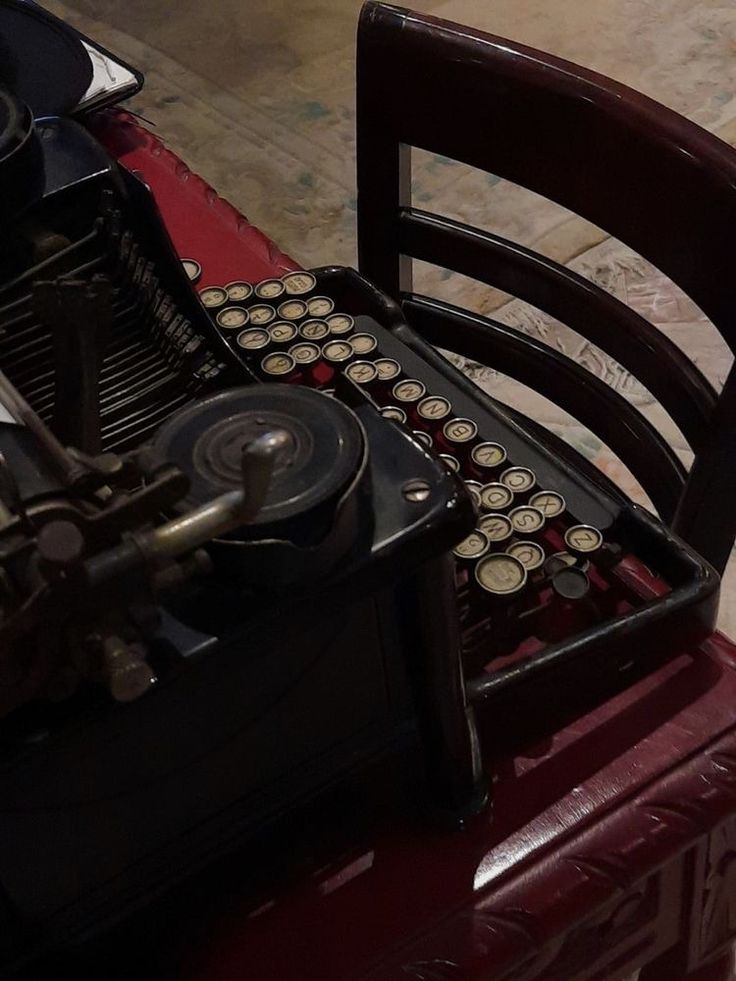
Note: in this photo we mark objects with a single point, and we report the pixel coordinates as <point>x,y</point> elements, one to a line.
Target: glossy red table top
<point>201,224</point>
<point>381,894</point>
<point>602,803</point>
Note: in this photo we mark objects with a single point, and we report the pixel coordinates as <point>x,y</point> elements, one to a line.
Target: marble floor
<point>257,96</point>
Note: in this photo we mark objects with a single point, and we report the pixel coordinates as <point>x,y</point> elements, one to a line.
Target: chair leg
<point>665,969</point>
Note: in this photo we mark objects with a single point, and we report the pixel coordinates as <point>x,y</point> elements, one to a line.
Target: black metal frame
<point>594,658</point>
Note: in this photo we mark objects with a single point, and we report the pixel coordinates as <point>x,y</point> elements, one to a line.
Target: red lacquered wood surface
<point>202,225</point>
<point>610,847</point>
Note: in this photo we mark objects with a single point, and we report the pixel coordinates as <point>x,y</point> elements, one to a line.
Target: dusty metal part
<point>79,315</point>
<point>225,513</point>
<point>128,673</point>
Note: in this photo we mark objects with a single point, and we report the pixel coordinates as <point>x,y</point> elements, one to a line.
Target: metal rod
<point>21,411</point>
<point>228,511</point>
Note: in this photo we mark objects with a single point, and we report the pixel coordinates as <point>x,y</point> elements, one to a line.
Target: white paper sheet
<point>108,77</point>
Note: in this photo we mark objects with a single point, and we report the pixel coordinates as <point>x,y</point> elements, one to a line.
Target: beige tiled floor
<point>258,97</point>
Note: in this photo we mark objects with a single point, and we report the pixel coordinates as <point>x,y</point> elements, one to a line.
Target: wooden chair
<point>646,175</point>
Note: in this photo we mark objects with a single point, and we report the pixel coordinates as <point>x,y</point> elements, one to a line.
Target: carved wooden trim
<point>627,869</point>
<point>713,913</point>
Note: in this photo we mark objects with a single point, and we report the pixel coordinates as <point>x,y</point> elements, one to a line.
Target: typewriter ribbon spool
<point>310,517</point>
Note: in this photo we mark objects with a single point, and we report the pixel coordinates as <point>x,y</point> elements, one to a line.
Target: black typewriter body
<point>175,692</point>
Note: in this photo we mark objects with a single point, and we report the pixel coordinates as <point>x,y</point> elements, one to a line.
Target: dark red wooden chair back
<point>649,177</point>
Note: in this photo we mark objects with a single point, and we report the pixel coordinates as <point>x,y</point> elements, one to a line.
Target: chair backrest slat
<point>577,391</point>
<point>598,316</point>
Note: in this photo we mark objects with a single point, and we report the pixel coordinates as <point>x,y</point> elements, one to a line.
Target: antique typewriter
<point>254,536</point>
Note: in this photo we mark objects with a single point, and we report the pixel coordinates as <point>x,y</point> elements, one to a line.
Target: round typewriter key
<point>410,390</point>
<point>340,323</point>
<point>305,353</point>
<point>424,438</point>
<point>361,372</point>
<point>527,520</point>
<point>562,560</point>
<point>501,574</point>
<point>363,344</point>
<point>298,283</point>
<point>496,497</point>
<point>213,296</point>
<point>282,332</point>
<point>293,309</point>
<point>518,479</point>
<point>238,291</point>
<point>473,547</point>
<point>433,408</point>
<point>530,554</point>
<point>488,455</point>
<point>261,314</point>
<point>550,503</point>
<point>253,339</point>
<point>460,430</point>
<point>571,609</point>
<point>393,412</point>
<point>320,306</point>
<point>450,462</point>
<point>278,364</point>
<point>497,527</point>
<point>571,583</point>
<point>269,289</point>
<point>232,317</point>
<point>192,268</point>
<point>474,489</point>
<point>314,330</point>
<point>337,352</point>
<point>388,369</point>
<point>583,539</point>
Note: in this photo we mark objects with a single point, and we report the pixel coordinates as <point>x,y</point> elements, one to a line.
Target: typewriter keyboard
<point>547,559</point>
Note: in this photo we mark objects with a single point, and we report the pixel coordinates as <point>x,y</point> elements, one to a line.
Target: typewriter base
<point>598,861</point>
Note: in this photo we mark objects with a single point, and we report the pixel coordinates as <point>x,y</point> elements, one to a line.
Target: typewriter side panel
<point>110,808</point>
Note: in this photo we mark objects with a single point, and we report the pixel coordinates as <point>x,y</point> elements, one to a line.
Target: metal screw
<point>60,544</point>
<point>128,673</point>
<point>416,491</point>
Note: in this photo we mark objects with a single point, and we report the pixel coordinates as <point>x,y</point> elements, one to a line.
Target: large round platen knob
<point>21,159</point>
<point>317,467</point>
